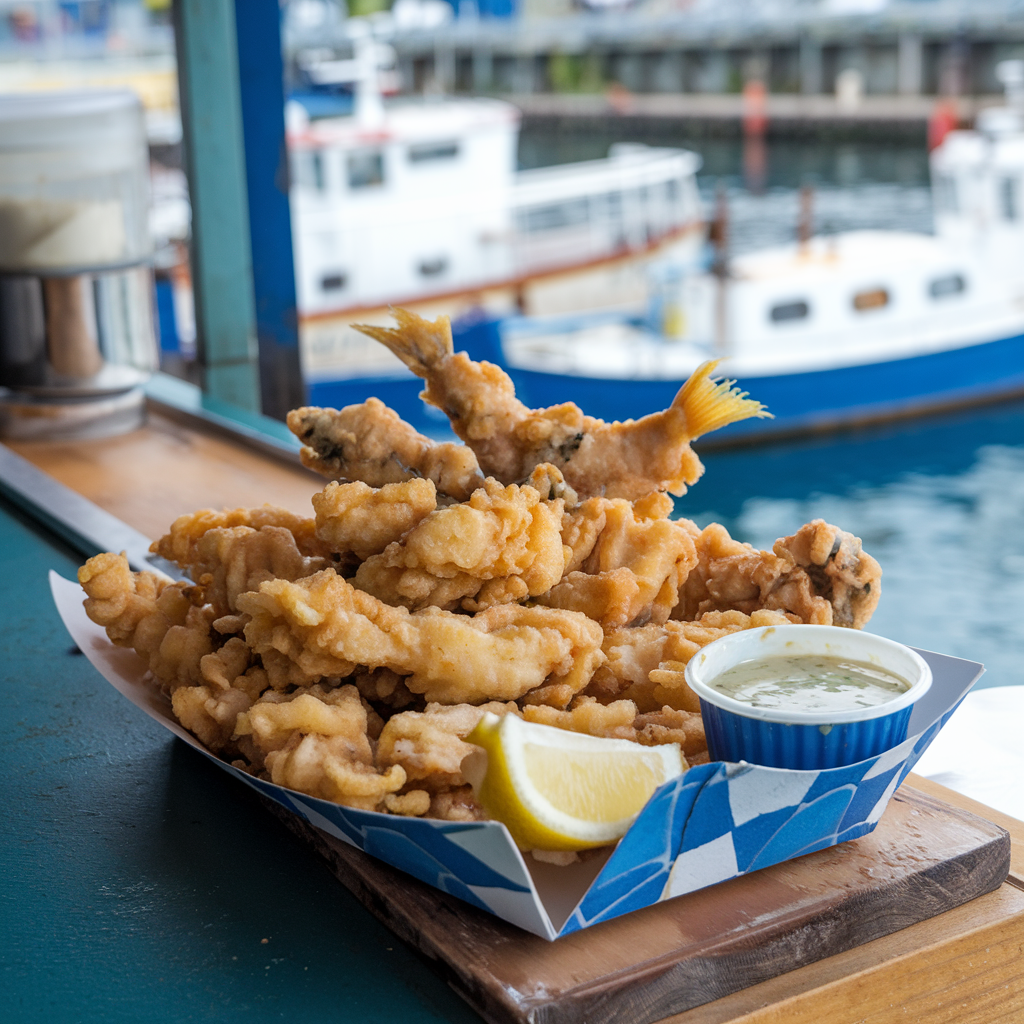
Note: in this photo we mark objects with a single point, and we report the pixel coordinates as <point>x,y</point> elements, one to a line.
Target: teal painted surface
<point>215,159</point>
<point>137,881</point>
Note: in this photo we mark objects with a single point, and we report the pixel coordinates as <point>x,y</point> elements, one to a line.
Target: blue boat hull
<point>815,400</point>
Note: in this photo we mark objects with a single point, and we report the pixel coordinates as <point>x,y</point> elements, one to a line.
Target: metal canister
<point>76,291</point>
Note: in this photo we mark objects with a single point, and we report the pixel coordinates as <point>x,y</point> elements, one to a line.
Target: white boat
<point>419,204</point>
<point>844,328</point>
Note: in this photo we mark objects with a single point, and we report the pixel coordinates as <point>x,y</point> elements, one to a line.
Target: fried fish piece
<point>618,460</point>
<point>819,575</point>
<point>372,443</point>
<point>430,745</point>
<point>634,654</point>
<point>587,715</point>
<point>363,520</point>
<point>315,741</point>
<point>323,623</point>
<point>156,618</point>
<point>631,561</point>
<point>620,720</point>
<point>179,543</point>
<point>502,545</point>
<point>232,680</point>
<point>226,562</point>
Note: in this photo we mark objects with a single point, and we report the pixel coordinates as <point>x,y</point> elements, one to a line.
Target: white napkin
<point>980,752</point>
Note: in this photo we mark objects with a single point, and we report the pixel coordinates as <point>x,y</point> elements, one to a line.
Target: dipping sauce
<point>809,682</point>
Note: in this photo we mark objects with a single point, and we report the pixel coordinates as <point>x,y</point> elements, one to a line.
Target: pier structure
<point>882,69</point>
<point>905,49</point>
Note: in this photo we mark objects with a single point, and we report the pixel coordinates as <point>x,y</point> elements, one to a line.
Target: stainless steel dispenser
<point>76,292</point>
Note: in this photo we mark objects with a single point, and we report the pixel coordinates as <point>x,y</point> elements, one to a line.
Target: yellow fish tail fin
<point>710,404</point>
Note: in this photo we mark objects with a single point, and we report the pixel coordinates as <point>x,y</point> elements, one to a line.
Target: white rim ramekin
<point>834,641</point>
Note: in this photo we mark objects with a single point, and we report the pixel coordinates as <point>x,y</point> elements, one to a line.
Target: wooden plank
<point>924,858</point>
<point>1014,827</point>
<point>151,475</point>
<point>925,973</point>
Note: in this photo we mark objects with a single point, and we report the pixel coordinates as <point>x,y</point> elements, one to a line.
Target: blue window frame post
<point>261,77</point>
<point>232,99</point>
<point>215,163</point>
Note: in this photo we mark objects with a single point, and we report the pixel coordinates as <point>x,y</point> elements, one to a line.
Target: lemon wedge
<point>560,790</point>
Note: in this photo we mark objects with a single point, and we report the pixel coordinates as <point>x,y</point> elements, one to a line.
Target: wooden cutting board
<point>925,857</point>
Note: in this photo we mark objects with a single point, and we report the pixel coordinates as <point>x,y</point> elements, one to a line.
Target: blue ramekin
<point>784,738</point>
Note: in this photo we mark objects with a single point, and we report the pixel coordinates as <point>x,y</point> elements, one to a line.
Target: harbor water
<point>856,185</point>
<point>938,501</point>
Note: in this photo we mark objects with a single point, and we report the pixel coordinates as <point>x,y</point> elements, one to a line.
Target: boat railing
<point>601,208</point>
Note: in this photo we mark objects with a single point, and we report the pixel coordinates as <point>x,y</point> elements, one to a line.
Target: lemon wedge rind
<point>560,790</point>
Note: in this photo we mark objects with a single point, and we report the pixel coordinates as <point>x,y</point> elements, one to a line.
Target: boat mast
<point>719,237</point>
<point>368,106</point>
<point>805,222</point>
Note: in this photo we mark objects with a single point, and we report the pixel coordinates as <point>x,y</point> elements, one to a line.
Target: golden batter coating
<point>504,537</point>
<point>617,460</point>
<point>357,519</point>
<point>179,543</point>
<point>818,575</point>
<point>629,560</point>
<point>372,443</point>
<point>151,615</point>
<point>323,624</point>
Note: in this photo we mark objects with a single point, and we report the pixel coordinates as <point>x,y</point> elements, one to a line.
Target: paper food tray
<point>710,824</point>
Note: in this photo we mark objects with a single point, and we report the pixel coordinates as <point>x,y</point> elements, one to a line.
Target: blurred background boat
<point>418,203</point>
<point>829,330</point>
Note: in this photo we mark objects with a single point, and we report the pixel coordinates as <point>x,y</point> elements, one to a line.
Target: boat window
<point>942,287</point>
<point>557,215</point>
<point>333,282</point>
<point>428,151</point>
<point>786,311</point>
<point>871,298</point>
<point>365,168</point>
<point>308,169</point>
<point>1008,204</point>
<point>947,199</point>
<point>431,268</point>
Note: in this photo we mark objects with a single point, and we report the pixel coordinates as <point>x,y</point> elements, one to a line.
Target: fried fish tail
<point>616,460</point>
<point>421,344</point>
<point>709,404</point>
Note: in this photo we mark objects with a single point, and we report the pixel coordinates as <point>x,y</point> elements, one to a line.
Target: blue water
<point>939,503</point>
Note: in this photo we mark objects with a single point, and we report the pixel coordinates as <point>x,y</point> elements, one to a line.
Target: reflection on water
<point>857,185</point>
<point>758,221</point>
<point>939,503</point>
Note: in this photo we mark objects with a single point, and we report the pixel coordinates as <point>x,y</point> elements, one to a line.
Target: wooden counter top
<point>152,475</point>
